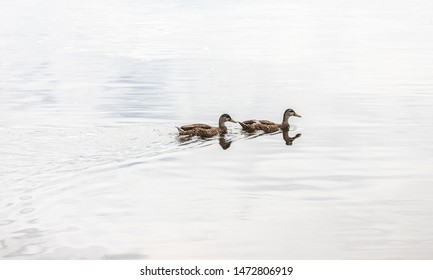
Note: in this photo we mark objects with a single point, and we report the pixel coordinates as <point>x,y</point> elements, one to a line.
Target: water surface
<point>90,92</point>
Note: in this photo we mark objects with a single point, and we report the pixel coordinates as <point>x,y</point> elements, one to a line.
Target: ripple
<point>90,153</point>
<point>6,222</point>
<point>28,250</point>
<point>130,256</point>
<point>27,210</point>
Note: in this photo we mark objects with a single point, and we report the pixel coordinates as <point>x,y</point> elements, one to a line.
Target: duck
<point>204,130</point>
<point>268,126</point>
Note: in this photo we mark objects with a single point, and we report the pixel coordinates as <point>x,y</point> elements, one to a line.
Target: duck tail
<point>243,125</point>
<point>180,129</point>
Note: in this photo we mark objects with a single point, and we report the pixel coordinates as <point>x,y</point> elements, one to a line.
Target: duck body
<point>249,126</point>
<point>268,126</point>
<point>204,130</point>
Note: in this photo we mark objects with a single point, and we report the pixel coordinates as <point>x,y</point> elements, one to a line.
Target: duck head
<point>290,113</point>
<point>226,118</point>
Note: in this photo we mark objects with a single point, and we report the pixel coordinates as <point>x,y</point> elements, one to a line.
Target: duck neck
<point>222,126</point>
<point>285,123</point>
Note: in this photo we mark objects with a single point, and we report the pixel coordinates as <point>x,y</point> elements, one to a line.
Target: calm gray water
<point>90,166</point>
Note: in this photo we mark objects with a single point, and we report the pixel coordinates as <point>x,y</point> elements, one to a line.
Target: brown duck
<point>204,130</point>
<point>268,126</point>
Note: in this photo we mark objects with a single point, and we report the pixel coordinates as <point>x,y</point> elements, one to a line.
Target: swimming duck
<point>204,130</point>
<point>268,126</point>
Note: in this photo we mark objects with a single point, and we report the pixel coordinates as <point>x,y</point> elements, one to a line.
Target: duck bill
<point>299,116</point>
<point>233,121</point>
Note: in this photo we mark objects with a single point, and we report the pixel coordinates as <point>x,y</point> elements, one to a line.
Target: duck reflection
<point>285,132</point>
<point>289,140</point>
<point>224,143</point>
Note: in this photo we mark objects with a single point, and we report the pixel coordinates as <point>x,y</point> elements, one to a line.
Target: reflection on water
<point>225,140</point>
<point>91,166</point>
<point>289,140</point>
<point>225,144</point>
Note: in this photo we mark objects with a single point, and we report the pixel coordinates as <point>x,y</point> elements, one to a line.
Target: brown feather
<point>195,126</point>
<point>204,130</point>
<point>249,126</point>
<point>266,122</point>
<point>268,128</point>
<point>207,132</point>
